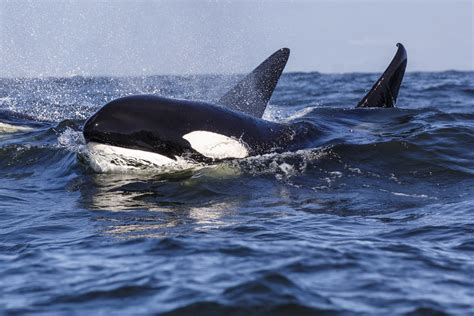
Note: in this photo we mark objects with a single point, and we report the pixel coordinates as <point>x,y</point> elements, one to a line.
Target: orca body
<point>233,128</point>
<point>180,128</point>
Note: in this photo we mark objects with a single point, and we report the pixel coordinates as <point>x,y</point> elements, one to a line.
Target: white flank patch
<point>216,146</point>
<point>112,159</point>
<point>8,128</point>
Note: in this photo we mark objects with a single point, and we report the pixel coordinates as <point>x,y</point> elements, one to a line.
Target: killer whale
<point>384,92</point>
<point>199,131</point>
<point>173,129</point>
<point>177,128</point>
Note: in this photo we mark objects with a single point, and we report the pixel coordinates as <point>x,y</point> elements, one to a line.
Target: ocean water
<point>378,218</point>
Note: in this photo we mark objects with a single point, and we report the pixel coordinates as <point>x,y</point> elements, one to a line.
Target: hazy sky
<point>63,38</point>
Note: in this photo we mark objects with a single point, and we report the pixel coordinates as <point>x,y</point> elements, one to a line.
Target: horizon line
<point>220,74</point>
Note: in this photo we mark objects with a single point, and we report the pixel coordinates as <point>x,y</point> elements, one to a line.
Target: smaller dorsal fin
<point>384,93</point>
<point>251,94</point>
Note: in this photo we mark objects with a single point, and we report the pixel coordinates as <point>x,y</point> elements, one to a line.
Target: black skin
<point>157,124</point>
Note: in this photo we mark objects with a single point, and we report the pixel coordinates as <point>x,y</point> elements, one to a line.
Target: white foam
<point>9,128</point>
<point>277,114</point>
<point>282,165</point>
<point>72,140</point>
<point>411,195</point>
<point>300,113</point>
<point>112,159</point>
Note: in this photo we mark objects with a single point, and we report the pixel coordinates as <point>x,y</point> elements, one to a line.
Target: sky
<point>133,38</point>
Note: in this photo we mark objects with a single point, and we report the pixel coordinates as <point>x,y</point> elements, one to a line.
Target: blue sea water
<point>379,219</point>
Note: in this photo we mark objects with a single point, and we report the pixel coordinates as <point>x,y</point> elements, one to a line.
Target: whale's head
<point>110,121</point>
<point>130,116</point>
<point>138,122</point>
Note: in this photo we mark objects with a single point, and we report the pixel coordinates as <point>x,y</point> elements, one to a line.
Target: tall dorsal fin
<point>384,93</point>
<point>251,94</point>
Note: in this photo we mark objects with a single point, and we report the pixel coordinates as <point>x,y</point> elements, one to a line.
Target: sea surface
<point>376,219</point>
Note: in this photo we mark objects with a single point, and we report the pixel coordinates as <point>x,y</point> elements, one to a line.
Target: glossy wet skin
<point>158,124</point>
